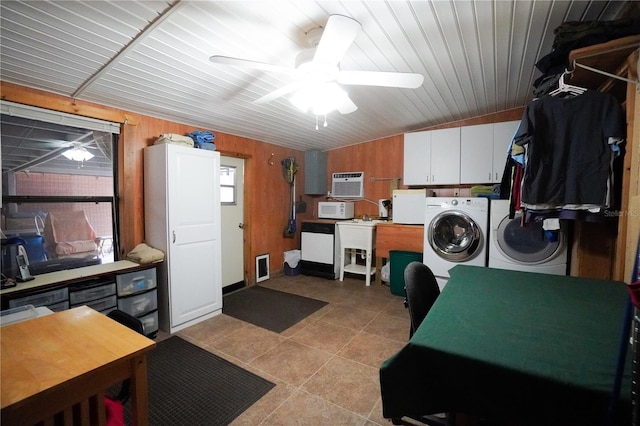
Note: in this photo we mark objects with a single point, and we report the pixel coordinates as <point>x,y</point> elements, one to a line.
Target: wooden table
<point>518,348</point>
<point>61,364</point>
<point>391,236</point>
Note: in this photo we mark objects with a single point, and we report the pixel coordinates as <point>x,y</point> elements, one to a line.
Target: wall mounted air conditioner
<point>347,185</point>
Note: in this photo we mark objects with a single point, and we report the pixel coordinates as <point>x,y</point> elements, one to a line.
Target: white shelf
<point>357,269</point>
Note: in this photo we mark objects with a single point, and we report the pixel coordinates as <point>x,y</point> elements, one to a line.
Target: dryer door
<point>526,244</point>
<point>455,236</point>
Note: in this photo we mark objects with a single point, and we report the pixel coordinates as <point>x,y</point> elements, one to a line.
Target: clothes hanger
<point>567,88</point>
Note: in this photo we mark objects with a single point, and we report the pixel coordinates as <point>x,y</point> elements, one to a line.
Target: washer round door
<point>455,236</point>
<point>526,244</point>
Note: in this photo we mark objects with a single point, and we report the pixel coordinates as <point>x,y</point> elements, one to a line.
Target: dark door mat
<point>190,386</point>
<point>270,309</point>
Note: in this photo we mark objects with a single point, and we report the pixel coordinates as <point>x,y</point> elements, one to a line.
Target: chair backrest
<point>422,291</point>
<point>136,325</point>
<point>127,320</point>
<point>68,226</point>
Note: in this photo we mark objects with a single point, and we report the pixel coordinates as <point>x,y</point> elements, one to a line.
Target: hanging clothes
<point>568,153</point>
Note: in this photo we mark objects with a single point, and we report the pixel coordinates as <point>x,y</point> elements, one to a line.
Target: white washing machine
<point>455,232</point>
<point>524,248</point>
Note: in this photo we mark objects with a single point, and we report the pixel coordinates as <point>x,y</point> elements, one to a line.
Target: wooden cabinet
<point>182,218</point>
<point>483,151</point>
<point>432,157</point>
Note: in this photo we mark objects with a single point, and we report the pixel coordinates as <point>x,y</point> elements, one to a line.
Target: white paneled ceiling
<point>152,57</point>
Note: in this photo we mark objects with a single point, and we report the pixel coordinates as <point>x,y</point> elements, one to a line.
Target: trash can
<point>292,264</point>
<point>399,259</point>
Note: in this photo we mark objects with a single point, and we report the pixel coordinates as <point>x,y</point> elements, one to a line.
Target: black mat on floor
<point>267,308</point>
<point>190,386</point>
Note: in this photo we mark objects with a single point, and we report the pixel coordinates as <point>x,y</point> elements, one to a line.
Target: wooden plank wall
<point>267,194</point>
<point>382,160</point>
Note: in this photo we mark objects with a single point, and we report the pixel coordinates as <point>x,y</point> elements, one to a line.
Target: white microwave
<point>335,210</point>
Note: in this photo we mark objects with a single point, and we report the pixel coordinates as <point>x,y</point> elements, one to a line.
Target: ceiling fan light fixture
<point>78,153</point>
<point>320,99</point>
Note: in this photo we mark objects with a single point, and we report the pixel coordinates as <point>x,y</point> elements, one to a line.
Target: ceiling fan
<point>317,72</point>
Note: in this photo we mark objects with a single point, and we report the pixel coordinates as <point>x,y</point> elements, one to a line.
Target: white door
<point>232,216</point>
<point>194,233</point>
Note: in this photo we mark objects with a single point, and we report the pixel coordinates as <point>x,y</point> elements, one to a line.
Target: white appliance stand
<point>182,218</point>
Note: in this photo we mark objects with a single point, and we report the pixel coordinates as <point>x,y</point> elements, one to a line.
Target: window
<point>228,185</point>
<point>59,189</point>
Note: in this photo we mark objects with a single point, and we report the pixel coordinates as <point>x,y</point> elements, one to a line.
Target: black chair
<point>136,325</point>
<point>421,290</point>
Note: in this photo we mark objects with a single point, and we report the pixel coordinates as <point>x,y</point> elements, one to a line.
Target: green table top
<point>509,343</point>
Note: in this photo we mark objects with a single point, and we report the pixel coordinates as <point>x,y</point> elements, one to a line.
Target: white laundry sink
<point>357,236</point>
<point>372,222</point>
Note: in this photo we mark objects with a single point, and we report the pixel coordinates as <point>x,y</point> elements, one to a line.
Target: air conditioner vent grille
<point>347,185</point>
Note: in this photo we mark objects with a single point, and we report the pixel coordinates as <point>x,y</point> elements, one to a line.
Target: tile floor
<point>325,367</point>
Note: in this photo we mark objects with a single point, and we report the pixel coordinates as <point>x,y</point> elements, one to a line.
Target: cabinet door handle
<point>489,177</point>
<point>174,236</point>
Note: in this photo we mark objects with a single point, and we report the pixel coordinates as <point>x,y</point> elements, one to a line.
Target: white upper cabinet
<point>476,155</point>
<point>484,151</point>
<point>460,155</point>
<point>432,157</point>
<point>417,153</point>
<point>502,136</point>
<point>445,156</point>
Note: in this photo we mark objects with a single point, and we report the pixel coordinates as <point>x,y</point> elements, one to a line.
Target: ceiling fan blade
<point>337,36</point>
<point>378,78</point>
<point>238,62</point>
<point>347,106</point>
<point>279,92</point>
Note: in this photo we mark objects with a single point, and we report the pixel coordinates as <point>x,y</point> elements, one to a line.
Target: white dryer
<point>524,248</point>
<point>455,232</point>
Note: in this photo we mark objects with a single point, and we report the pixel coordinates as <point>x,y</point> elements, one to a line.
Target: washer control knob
<point>454,202</point>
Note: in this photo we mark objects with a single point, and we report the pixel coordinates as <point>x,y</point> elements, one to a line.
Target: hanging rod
<point>614,49</point>
<point>608,74</point>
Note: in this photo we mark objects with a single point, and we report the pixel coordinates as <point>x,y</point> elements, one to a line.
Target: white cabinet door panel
<point>417,169</point>
<point>182,218</point>
<point>445,156</point>
<point>502,136</point>
<point>476,153</point>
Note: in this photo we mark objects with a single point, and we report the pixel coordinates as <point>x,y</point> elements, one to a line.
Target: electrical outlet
<point>456,192</point>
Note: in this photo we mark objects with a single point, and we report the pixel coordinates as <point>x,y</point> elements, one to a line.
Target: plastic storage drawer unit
<point>45,298</point>
<point>57,307</point>
<point>136,282</point>
<point>101,304</point>
<point>149,323</point>
<point>139,304</point>
<point>92,293</point>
